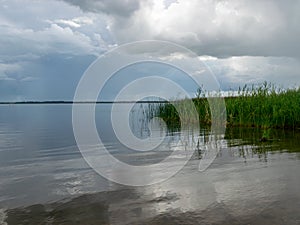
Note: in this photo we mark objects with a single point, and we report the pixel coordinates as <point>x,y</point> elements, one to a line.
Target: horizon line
<point>78,102</point>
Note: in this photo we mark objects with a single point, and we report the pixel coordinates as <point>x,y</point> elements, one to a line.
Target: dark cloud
<point>121,8</point>
<point>53,77</point>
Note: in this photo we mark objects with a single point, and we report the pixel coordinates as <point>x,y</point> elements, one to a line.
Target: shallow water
<point>45,180</point>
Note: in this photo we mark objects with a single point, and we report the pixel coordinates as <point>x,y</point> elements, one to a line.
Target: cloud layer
<point>51,42</point>
<point>210,27</point>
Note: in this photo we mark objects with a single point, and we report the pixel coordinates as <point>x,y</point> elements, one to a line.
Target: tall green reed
<point>264,106</point>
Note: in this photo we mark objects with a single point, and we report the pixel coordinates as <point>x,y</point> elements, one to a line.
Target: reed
<point>264,106</point>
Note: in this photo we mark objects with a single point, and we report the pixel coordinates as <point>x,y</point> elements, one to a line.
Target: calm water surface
<point>45,180</point>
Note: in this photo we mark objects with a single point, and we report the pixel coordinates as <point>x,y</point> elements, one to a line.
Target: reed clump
<point>264,106</point>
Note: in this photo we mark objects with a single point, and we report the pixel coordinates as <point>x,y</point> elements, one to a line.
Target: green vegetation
<point>265,106</point>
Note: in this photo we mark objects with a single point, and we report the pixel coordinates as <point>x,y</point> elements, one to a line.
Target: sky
<point>46,45</point>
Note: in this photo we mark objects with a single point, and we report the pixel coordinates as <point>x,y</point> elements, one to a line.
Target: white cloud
<point>235,71</point>
<point>84,20</point>
<point>75,22</point>
<point>6,69</point>
<point>47,27</point>
<point>28,79</point>
<point>52,39</point>
<point>70,23</point>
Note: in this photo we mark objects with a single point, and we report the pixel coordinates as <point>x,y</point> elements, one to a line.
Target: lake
<point>45,180</point>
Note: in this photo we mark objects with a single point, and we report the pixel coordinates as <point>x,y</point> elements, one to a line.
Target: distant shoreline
<point>76,102</point>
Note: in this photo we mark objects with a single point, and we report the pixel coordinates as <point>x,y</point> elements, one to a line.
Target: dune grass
<point>264,106</point>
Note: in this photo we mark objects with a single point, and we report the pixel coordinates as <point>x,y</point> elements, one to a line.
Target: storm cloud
<point>123,8</point>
